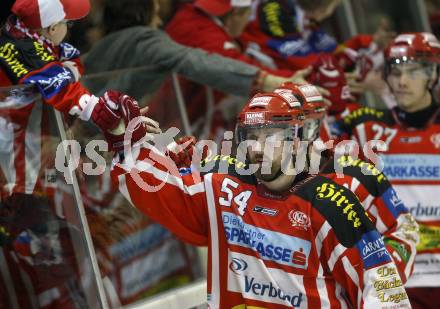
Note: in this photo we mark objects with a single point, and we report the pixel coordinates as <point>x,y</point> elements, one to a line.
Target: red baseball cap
<point>220,7</point>
<point>37,14</point>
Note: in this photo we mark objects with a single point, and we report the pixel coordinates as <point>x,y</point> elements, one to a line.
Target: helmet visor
<point>285,132</point>
<point>412,69</point>
<point>311,129</point>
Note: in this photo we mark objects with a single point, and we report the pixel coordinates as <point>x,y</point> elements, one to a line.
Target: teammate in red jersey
<point>275,239</point>
<point>391,217</point>
<point>411,143</point>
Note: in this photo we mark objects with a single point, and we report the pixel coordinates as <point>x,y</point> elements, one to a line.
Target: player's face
<point>56,33</point>
<point>409,84</point>
<point>270,156</point>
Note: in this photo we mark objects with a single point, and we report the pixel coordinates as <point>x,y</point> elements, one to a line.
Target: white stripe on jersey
<point>322,234</point>
<point>170,179</point>
<point>340,295</point>
<point>322,288</point>
<point>334,256</point>
<point>354,277</point>
<point>320,282</point>
<point>214,300</point>
<point>380,226</point>
<point>361,134</point>
<point>7,154</point>
<point>367,202</point>
<point>123,188</point>
<point>32,151</point>
<point>353,186</point>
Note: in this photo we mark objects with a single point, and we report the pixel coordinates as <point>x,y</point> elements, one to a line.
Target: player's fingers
<point>303,73</point>
<point>327,102</point>
<point>144,110</point>
<point>150,122</point>
<point>323,91</point>
<point>154,130</point>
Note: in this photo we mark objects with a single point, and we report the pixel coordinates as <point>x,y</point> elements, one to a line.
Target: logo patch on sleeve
<point>372,249</point>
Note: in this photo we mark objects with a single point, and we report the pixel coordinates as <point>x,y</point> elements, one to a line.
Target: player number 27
<point>240,199</point>
<point>386,133</point>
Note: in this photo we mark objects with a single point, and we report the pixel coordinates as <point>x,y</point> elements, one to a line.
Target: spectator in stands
<point>133,40</point>
<point>218,25</point>
<point>289,31</point>
<point>89,30</point>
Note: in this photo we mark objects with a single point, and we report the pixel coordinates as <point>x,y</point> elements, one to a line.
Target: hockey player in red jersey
<point>275,239</point>
<point>410,146</point>
<point>374,191</point>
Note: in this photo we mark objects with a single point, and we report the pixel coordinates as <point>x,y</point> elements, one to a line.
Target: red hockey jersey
<point>392,219</point>
<point>312,247</point>
<point>411,162</point>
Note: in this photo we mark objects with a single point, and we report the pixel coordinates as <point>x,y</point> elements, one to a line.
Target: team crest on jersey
<point>435,139</point>
<point>299,220</point>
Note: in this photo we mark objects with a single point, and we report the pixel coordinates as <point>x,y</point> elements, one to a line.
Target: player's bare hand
<point>152,125</point>
<point>300,76</point>
<point>353,80</point>
<point>373,82</point>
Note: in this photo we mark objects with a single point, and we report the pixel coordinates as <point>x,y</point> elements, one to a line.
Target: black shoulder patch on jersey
<point>227,164</point>
<point>364,114</point>
<point>366,173</point>
<point>20,57</point>
<point>340,207</point>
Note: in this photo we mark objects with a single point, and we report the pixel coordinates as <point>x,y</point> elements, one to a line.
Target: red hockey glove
<point>128,109</point>
<point>182,152</point>
<point>347,59</point>
<point>105,114</point>
<point>329,75</point>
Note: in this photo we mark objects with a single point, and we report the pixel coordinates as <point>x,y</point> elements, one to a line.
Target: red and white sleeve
<point>153,184</point>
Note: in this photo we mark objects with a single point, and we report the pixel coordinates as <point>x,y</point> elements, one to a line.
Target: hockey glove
<point>128,110</point>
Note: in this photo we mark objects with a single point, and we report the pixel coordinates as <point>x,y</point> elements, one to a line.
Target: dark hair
<point>5,10</point>
<point>121,14</point>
